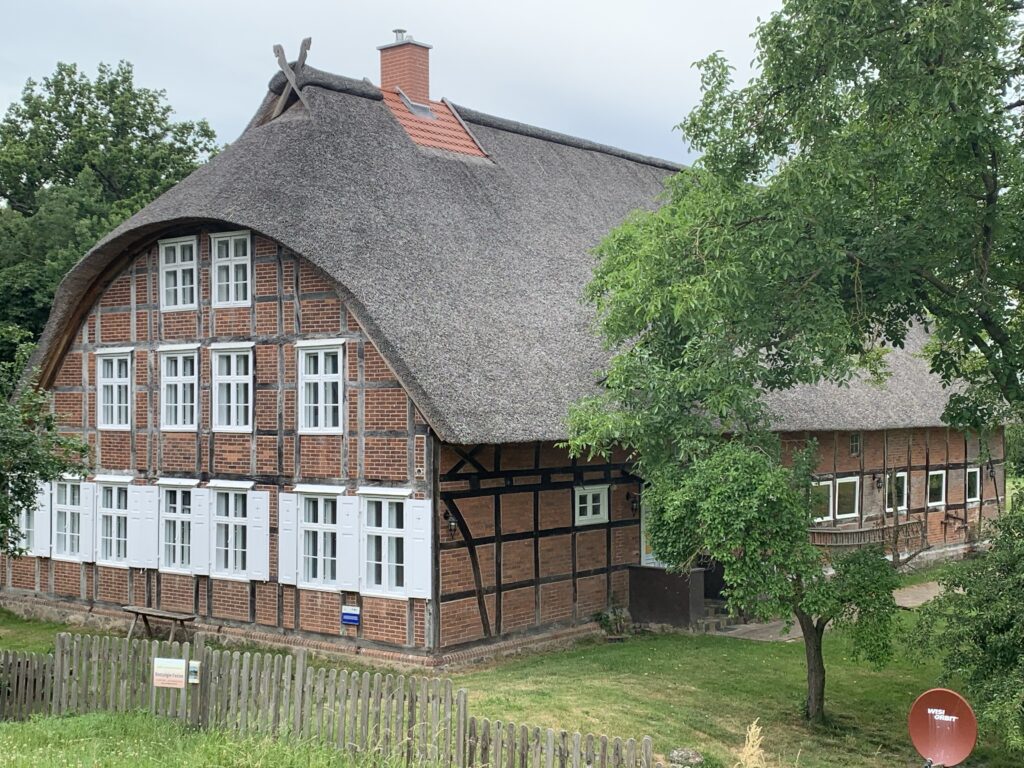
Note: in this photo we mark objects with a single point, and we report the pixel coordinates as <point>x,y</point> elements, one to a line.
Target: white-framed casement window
<point>318,525</point>
<point>71,512</point>
<point>178,273</point>
<point>821,500</point>
<point>847,497</point>
<point>320,385</point>
<point>973,485</point>
<point>591,504</point>
<point>232,388</point>
<point>179,388</point>
<point>176,519</point>
<point>113,524</point>
<point>240,541</point>
<point>230,264</point>
<point>896,489</point>
<point>384,545</point>
<point>936,487</point>
<point>113,388</point>
<point>855,443</point>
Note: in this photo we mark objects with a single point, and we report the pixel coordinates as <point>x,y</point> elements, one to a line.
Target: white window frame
<point>831,499</point>
<point>233,380</point>
<point>856,439</point>
<point>366,531</point>
<point>232,523</point>
<point>170,513</point>
<point>320,380</point>
<point>177,270</point>
<point>321,532</point>
<point>855,481</point>
<point>70,512</point>
<point>889,503</point>
<point>114,383</point>
<point>928,488</point>
<point>231,261</point>
<point>587,492</point>
<point>27,523</point>
<point>976,471</point>
<point>118,516</point>
<point>178,384</point>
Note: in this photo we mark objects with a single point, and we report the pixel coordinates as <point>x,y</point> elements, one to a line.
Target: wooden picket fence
<point>417,720</point>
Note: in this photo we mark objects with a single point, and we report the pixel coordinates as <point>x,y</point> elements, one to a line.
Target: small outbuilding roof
<point>466,271</point>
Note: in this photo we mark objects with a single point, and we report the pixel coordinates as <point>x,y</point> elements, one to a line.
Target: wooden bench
<point>176,619</point>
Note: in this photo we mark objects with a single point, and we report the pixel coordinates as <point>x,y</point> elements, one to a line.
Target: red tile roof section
<point>446,132</point>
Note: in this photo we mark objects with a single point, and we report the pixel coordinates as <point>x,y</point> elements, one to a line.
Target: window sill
<point>334,589</point>
<point>934,504</point>
<point>337,432</point>
<point>231,576</point>
<point>591,521</point>
<point>178,429</point>
<point>121,566</point>
<point>231,305</point>
<point>232,430</point>
<point>180,308</point>
<point>107,428</point>
<point>384,596</point>
<point>69,558</point>
<point>176,571</point>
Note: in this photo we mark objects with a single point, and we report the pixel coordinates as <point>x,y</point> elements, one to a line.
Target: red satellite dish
<point>942,727</point>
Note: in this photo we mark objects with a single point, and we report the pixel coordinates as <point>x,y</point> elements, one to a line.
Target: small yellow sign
<point>169,673</point>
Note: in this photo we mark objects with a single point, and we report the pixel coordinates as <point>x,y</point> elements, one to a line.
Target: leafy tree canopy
<point>78,156</point>
<point>32,450</point>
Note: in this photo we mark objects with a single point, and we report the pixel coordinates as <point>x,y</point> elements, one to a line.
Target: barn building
<point>332,366</point>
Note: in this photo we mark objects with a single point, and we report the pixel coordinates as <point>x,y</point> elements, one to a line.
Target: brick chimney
<point>405,64</point>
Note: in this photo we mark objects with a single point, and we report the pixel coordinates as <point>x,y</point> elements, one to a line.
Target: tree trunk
<point>813,631</point>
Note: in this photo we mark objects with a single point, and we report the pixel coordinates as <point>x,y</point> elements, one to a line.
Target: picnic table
<point>146,613</point>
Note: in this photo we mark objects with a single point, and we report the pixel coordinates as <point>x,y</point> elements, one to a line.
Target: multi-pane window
<point>896,491</point>
<point>855,443</point>
<point>179,388</point>
<point>320,389</point>
<point>28,528</point>
<point>178,273</point>
<point>232,390</point>
<point>821,500</point>
<point>591,505</point>
<point>231,516</point>
<point>974,484</point>
<point>384,537</point>
<point>177,522</point>
<point>319,526</point>
<point>68,519</point>
<point>230,265</point>
<point>847,496</point>
<point>936,488</point>
<point>113,523</point>
<point>113,380</point>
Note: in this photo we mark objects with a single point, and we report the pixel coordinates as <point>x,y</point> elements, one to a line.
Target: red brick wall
<point>551,571</point>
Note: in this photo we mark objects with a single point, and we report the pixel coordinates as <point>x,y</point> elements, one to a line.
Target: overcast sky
<point>615,72</point>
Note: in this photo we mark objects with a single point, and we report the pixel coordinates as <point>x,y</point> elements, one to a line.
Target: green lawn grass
<point>682,690</point>
<point>20,634</point>
<point>138,740</point>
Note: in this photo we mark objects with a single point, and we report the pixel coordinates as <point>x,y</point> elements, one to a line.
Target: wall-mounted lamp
<point>452,525</point>
<point>879,482</point>
<point>634,502</point>
<point>991,470</point>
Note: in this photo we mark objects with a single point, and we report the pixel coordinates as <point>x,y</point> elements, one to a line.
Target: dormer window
<point>231,268</point>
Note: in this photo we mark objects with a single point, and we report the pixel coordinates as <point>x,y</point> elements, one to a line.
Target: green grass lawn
<point>682,690</point>
<point>20,634</point>
<point>140,741</point>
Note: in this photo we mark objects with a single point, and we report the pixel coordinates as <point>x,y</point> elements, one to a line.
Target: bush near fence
<point>415,719</point>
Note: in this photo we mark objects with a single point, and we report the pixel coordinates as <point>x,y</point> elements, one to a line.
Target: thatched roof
<point>466,272</point>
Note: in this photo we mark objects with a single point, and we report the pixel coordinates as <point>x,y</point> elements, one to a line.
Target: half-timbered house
<point>332,367</point>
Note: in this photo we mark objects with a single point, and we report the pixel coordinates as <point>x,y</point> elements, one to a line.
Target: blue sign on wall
<point>350,614</point>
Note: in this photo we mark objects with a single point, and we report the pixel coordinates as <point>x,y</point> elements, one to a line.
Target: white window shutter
<point>418,549</point>
<point>350,551</point>
<point>287,541</point>
<point>201,536</point>
<point>86,542</point>
<point>258,565</point>
<point>143,528</point>
<point>41,529</point>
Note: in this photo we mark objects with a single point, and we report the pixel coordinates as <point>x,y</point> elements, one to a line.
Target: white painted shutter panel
<point>287,542</point>
<point>41,533</point>
<point>143,527</point>
<point>350,553</point>
<point>258,565</point>
<point>201,536</point>
<point>418,549</point>
<point>86,541</point>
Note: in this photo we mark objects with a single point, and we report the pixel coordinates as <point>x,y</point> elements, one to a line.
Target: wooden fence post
<point>199,691</point>
<point>300,680</point>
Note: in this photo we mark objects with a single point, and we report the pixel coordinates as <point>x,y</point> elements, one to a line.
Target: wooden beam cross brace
<point>289,73</point>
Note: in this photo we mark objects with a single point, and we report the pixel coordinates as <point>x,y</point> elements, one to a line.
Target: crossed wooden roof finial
<point>290,74</point>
